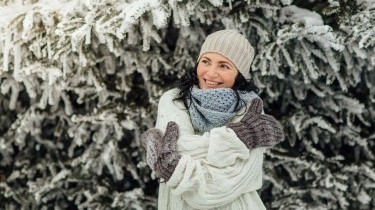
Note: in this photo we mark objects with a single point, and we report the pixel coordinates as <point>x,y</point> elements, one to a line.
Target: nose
<point>212,71</point>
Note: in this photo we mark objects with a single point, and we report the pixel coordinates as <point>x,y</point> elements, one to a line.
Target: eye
<point>204,61</point>
<point>224,66</point>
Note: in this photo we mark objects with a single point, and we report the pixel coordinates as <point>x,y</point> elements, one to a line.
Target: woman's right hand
<point>162,156</point>
<point>256,129</point>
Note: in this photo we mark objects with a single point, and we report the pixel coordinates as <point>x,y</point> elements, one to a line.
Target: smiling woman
<point>210,135</point>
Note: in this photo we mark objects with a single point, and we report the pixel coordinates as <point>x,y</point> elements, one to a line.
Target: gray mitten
<point>162,156</point>
<point>148,140</point>
<point>256,129</point>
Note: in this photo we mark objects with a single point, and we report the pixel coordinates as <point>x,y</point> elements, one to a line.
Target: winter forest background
<point>80,81</point>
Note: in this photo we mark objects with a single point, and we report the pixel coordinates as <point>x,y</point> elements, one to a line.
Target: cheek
<point>199,75</point>
<point>200,72</point>
<point>230,79</point>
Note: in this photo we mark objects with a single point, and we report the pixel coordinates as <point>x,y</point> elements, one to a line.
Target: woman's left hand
<point>256,129</point>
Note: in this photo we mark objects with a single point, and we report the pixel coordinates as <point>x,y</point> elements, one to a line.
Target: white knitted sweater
<point>216,170</point>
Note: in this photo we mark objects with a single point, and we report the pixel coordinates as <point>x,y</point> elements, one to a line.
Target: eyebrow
<point>226,62</point>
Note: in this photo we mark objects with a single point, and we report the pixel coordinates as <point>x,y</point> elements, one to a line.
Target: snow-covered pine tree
<point>80,81</point>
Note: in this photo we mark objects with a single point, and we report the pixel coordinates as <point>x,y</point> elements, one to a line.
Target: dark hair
<point>190,78</point>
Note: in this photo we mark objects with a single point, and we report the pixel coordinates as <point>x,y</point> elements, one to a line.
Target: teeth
<point>212,82</point>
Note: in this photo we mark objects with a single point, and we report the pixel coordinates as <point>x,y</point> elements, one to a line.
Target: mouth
<point>210,83</point>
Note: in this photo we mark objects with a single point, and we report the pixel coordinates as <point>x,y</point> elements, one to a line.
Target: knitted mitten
<point>162,156</point>
<point>256,129</point>
<point>148,140</point>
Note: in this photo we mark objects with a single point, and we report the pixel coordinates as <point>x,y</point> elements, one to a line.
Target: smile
<point>209,82</point>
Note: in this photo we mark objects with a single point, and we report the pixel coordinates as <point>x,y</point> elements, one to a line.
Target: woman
<point>210,135</point>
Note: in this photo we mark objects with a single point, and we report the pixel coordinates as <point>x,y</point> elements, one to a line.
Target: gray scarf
<point>211,108</point>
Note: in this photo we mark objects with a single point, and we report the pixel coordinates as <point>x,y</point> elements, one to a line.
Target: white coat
<point>216,170</point>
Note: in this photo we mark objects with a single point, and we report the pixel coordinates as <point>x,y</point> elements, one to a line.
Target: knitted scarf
<point>212,108</point>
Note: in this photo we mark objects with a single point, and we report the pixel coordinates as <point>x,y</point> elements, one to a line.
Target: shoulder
<point>169,95</point>
<point>167,98</point>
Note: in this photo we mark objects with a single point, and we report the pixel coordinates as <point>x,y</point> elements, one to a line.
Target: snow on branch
<point>294,14</point>
<point>312,48</point>
<point>303,47</point>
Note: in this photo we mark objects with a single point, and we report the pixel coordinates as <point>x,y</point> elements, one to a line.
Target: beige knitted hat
<point>232,45</point>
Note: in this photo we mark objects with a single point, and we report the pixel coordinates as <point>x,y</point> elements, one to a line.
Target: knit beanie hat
<point>232,45</point>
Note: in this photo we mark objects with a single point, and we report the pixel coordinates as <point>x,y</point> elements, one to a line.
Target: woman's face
<point>216,71</point>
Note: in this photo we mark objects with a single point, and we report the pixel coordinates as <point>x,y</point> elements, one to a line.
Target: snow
<point>16,9</point>
<point>363,197</point>
<point>366,3</point>
<point>286,2</point>
<point>294,14</point>
<point>7,40</point>
<point>8,13</point>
